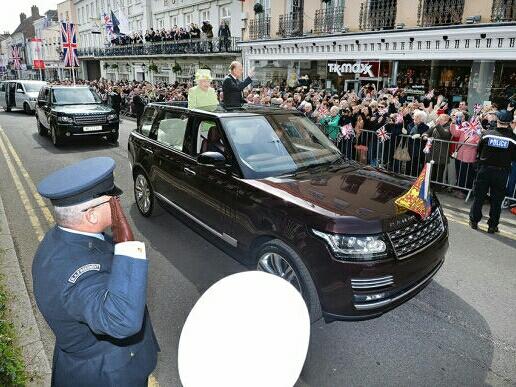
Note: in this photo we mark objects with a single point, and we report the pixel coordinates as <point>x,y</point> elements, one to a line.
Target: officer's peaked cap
<point>80,182</point>
<point>504,116</point>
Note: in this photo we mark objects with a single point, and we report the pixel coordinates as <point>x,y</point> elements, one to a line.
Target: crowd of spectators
<point>408,122</point>
<point>192,32</point>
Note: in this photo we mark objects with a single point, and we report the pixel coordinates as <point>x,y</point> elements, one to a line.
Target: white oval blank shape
<point>248,329</point>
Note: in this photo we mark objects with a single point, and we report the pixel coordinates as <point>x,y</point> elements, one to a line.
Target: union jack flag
<point>382,134</point>
<point>347,131</point>
<point>69,43</point>
<point>428,146</point>
<point>16,57</point>
<point>399,118</point>
<point>472,127</point>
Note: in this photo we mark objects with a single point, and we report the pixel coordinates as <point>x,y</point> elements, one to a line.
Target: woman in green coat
<point>202,95</point>
<point>330,123</point>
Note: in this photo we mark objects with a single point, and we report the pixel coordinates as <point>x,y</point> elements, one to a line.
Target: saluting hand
<point>120,227</point>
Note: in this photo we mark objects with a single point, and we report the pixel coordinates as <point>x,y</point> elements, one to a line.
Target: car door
<point>212,191</point>
<point>20,95</point>
<point>169,159</point>
<point>11,96</point>
<point>46,108</point>
<point>144,144</point>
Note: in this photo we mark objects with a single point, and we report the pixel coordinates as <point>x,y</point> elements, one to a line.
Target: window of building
<point>266,4</point>
<point>173,21</point>
<point>188,19</point>
<point>225,14</point>
<point>160,23</point>
<point>205,15</point>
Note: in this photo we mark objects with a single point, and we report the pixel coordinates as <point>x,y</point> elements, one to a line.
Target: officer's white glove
<point>404,131</point>
<point>417,135</point>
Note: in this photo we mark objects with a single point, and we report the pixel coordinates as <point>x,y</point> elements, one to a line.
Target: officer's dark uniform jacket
<point>94,302</point>
<point>497,148</point>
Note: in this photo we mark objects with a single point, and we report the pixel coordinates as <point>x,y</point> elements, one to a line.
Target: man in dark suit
<point>138,106</point>
<point>115,100</point>
<point>91,288</point>
<point>232,87</point>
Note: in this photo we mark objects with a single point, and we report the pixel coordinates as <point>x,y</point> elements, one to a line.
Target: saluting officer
<point>496,151</point>
<point>91,288</point>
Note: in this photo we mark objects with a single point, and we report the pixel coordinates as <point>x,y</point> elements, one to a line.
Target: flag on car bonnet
<point>418,198</point>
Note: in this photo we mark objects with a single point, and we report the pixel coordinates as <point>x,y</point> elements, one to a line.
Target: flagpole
<point>73,75</point>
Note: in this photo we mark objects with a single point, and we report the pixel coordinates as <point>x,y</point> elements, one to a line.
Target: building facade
<point>463,48</point>
<point>166,61</point>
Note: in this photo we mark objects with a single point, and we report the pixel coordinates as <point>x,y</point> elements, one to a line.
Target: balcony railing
<point>377,15</point>
<point>260,28</point>
<point>439,12</point>
<point>291,24</point>
<point>329,20</point>
<point>188,46</point>
<point>503,11</point>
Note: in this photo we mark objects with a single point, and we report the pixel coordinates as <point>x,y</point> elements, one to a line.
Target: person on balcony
<point>224,36</point>
<point>202,95</point>
<point>207,30</point>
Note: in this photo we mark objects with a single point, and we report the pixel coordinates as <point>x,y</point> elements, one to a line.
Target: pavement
<point>458,331</point>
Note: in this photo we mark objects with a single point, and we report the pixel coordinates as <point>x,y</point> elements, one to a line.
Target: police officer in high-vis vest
<point>91,288</point>
<point>496,151</point>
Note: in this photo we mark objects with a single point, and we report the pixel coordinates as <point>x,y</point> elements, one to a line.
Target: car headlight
<point>112,117</point>
<point>65,119</point>
<point>358,247</point>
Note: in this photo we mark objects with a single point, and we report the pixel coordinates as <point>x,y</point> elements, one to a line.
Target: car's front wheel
<point>56,140</point>
<point>276,257</point>
<point>27,109</point>
<point>41,129</point>
<point>143,194</point>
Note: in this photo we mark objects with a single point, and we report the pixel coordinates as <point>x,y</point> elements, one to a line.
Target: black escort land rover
<point>66,111</point>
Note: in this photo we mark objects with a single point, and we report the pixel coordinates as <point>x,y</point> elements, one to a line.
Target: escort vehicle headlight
<point>355,247</point>
<point>65,119</point>
<point>112,117</point>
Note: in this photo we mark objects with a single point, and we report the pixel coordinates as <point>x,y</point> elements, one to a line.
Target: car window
<point>41,95</point>
<point>203,134</point>
<point>2,86</point>
<point>19,88</point>
<point>171,129</point>
<point>285,143</point>
<point>147,119</point>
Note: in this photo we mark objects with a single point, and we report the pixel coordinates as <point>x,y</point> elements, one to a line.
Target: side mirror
<point>212,159</point>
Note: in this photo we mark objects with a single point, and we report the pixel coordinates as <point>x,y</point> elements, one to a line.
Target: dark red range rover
<point>268,183</point>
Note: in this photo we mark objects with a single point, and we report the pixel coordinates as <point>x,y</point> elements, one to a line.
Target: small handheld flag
<point>347,131</point>
<point>418,198</point>
<point>472,127</point>
<point>382,134</point>
<point>428,146</point>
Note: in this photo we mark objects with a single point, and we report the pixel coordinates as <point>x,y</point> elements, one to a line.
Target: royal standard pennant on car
<point>418,198</point>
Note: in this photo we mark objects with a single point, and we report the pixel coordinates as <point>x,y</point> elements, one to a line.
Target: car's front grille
<point>417,236</point>
<point>90,119</point>
<point>371,283</point>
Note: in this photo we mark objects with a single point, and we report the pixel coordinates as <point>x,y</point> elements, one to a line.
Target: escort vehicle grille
<point>371,283</point>
<point>90,119</point>
<point>417,236</point>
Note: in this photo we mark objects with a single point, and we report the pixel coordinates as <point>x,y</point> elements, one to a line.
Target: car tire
<point>276,256</point>
<point>56,140</point>
<point>143,194</point>
<point>27,109</point>
<point>42,131</point>
<point>113,138</point>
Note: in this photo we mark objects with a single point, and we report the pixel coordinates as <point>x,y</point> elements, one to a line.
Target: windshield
<point>33,87</point>
<point>282,144</point>
<point>74,96</point>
